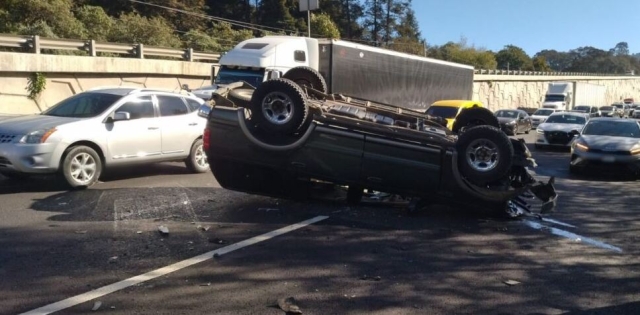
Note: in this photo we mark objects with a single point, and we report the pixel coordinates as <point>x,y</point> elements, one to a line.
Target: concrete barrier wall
<point>68,75</point>
<point>504,92</point>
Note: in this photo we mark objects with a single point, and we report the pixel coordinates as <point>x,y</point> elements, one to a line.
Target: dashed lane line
<point>108,289</point>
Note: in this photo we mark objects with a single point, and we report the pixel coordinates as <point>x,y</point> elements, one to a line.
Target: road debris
<point>512,282</point>
<point>203,228</point>
<point>205,284</point>
<point>96,306</point>
<point>163,230</point>
<point>289,305</point>
<point>268,209</point>
<point>217,241</point>
<point>113,259</point>
<point>138,232</point>
<point>81,232</point>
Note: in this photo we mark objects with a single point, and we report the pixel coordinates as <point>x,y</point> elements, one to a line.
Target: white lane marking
<point>573,236</point>
<point>558,222</point>
<point>88,296</point>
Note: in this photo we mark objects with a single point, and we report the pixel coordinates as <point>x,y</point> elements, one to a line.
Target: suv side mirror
<point>186,87</point>
<point>121,116</point>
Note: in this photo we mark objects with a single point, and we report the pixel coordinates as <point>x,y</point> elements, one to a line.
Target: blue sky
<point>533,25</point>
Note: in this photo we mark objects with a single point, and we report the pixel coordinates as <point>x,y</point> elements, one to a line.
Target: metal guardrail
<point>543,73</point>
<point>35,44</point>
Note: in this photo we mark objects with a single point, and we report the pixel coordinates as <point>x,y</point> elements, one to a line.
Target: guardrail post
<point>140,51</point>
<point>92,48</point>
<point>35,42</point>
<point>189,54</point>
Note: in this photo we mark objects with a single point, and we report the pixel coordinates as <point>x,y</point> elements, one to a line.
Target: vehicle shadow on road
<point>424,262</point>
<point>54,183</point>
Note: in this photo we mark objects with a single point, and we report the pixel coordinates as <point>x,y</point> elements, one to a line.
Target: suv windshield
<point>442,111</point>
<point>606,108</point>
<point>612,128</point>
<point>83,105</point>
<point>543,112</point>
<point>228,76</point>
<point>566,119</point>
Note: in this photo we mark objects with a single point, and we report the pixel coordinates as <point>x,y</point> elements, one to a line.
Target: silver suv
<point>86,133</point>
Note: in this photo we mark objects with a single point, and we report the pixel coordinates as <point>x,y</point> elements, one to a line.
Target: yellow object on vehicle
<point>450,109</point>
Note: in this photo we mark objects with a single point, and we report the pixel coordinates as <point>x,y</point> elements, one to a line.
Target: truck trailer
<point>567,95</point>
<point>361,71</point>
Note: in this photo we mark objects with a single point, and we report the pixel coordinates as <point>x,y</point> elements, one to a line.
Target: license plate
<point>608,159</point>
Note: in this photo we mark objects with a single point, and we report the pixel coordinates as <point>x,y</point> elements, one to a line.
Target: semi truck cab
<point>258,59</point>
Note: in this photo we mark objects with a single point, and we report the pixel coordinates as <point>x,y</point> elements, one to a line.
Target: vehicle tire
<point>15,175</point>
<point>475,116</point>
<point>307,77</point>
<point>81,166</point>
<point>279,105</point>
<point>354,195</point>
<point>485,154</point>
<point>197,160</point>
<point>240,97</point>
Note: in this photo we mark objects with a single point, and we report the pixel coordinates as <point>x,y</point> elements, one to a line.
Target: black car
<point>290,135</point>
<point>514,121</point>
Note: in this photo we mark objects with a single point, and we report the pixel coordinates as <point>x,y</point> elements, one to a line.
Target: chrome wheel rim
<point>482,155</point>
<point>278,108</point>
<point>83,168</point>
<point>201,157</point>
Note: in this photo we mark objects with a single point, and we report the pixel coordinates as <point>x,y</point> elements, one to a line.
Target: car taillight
<point>206,138</point>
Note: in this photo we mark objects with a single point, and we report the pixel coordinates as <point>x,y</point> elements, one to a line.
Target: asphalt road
<point>55,245</point>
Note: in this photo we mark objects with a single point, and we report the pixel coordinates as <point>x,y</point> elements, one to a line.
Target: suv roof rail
<point>104,87</point>
<point>176,91</point>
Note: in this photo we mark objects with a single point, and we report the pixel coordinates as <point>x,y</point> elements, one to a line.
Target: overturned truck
<point>277,139</point>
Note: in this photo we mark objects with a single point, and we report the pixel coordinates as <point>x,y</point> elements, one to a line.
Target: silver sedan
<point>612,144</point>
<point>83,135</point>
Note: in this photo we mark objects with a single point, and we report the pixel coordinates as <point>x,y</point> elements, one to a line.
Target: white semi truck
<point>567,95</point>
<point>360,71</point>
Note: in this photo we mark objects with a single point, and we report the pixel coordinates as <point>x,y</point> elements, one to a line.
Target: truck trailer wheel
<point>307,77</point>
<point>485,154</point>
<point>279,105</point>
<point>475,116</point>
<point>240,97</point>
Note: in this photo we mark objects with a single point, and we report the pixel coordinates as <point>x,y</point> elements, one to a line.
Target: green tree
<point>322,25</point>
<point>540,64</point>
<point>276,13</point>
<point>557,61</point>
<point>514,58</point>
<point>133,28</point>
<point>96,21</point>
<point>25,14</point>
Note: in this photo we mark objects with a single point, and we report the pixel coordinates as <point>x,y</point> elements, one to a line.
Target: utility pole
<point>308,5</point>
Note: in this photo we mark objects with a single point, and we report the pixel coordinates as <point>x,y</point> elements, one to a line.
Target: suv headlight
<point>38,136</point>
<point>540,131</point>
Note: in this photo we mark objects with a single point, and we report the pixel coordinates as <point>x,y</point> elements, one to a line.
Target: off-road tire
<point>307,77</point>
<point>240,97</point>
<point>492,137</point>
<point>299,110</point>
<point>475,116</point>
<point>67,169</point>
<point>197,152</point>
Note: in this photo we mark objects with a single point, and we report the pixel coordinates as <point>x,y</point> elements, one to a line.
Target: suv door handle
<point>153,128</point>
<point>193,124</point>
